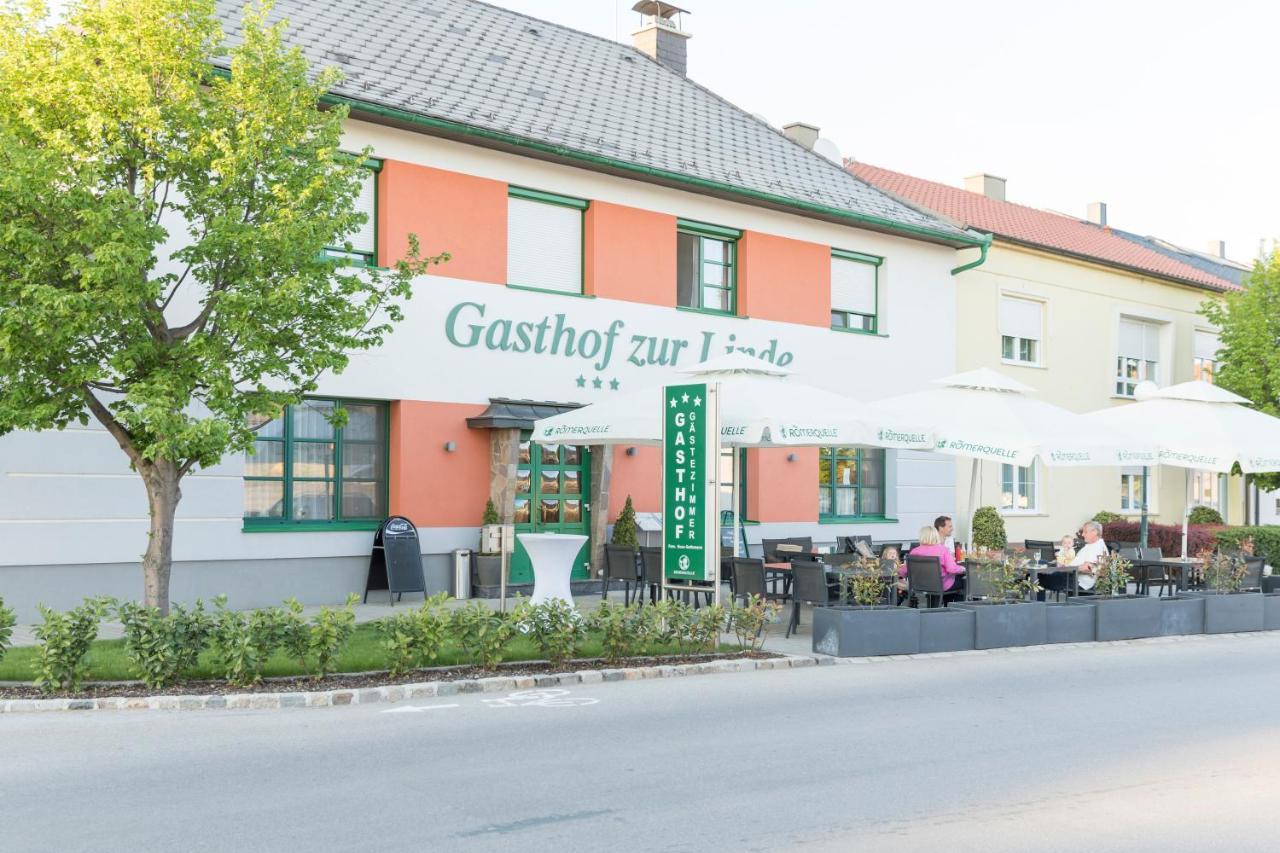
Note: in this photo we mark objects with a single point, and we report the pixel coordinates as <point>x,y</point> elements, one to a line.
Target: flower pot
<point>1067,624</point>
<point>1271,611</point>
<point>1181,614</point>
<point>845,631</point>
<point>999,624</point>
<point>1233,612</point>
<point>946,629</point>
<point>1122,617</point>
<point>486,569</point>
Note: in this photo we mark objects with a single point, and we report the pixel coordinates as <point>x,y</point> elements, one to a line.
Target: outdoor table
<point>1178,566</point>
<point>552,556</point>
<point>1069,585</point>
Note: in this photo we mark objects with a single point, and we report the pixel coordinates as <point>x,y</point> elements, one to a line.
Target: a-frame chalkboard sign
<point>396,561</point>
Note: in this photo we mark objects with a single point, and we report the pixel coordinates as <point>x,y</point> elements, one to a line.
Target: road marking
<point>551,698</point>
<point>414,709</point>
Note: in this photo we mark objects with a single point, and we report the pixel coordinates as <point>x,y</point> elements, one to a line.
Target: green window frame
<point>346,255</point>
<point>707,267</point>
<point>856,499</point>
<point>307,474</point>
<point>847,320</point>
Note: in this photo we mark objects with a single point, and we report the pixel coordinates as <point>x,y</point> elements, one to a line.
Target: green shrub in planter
<point>414,639</point>
<point>484,633</point>
<point>7,620</point>
<point>624,529</point>
<point>243,643</point>
<point>1106,516</point>
<point>988,529</point>
<point>708,624</point>
<point>750,622</point>
<point>624,628</point>
<point>64,641</point>
<point>1204,515</point>
<point>317,644</point>
<point>1112,575</point>
<point>162,648</point>
<point>555,626</point>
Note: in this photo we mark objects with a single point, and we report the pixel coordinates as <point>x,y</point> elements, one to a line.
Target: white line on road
<point>413,709</point>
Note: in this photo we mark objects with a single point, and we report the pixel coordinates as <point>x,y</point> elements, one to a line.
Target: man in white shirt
<point>946,529</point>
<point>1086,560</point>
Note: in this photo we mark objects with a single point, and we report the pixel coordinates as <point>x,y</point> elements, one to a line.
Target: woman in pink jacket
<point>931,546</point>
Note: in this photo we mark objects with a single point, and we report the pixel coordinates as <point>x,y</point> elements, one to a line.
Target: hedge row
<point>1166,537</point>
<point>1266,540</point>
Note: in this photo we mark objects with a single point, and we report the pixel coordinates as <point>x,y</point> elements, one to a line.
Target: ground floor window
<point>307,471</point>
<point>726,484</point>
<point>850,482</point>
<point>1206,489</point>
<point>1018,492</point>
<point>1131,490</point>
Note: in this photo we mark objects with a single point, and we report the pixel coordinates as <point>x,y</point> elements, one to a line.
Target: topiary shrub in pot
<point>486,562</point>
<point>988,529</point>
<point>1204,515</point>
<point>622,554</point>
<point>1106,516</point>
<point>866,627</point>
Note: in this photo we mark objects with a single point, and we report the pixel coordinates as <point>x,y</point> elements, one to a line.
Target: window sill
<point>855,519</point>
<point>864,332</point>
<point>532,289</point>
<point>1023,513</point>
<point>1034,365</point>
<point>254,526</point>
<point>710,312</point>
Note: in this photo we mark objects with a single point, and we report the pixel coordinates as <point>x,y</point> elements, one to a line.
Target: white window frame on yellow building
<point>1022,329</point>
<point>1153,369</point>
<point>1037,488</point>
<point>1205,344</point>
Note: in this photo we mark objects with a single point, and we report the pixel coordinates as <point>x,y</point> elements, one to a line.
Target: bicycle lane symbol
<point>551,698</point>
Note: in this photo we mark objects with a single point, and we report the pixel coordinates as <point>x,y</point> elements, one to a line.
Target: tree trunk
<point>162,478</point>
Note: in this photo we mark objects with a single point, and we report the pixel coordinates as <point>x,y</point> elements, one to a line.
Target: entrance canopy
<point>986,415</point>
<point>761,405</point>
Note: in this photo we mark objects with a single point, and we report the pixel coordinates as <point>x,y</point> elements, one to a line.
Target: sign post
<point>690,488</point>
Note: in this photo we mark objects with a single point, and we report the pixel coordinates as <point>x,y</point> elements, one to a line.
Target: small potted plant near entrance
<point>1119,615</point>
<point>1008,615</point>
<point>1228,610</point>
<point>867,626</point>
<point>486,562</point>
<point>622,554</point>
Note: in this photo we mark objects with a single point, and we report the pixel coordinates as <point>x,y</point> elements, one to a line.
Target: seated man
<point>1086,559</point>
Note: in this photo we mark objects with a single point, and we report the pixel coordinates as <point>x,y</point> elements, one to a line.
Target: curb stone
<point>401,692</point>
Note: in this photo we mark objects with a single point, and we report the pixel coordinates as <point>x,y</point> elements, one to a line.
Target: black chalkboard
<point>395,563</point>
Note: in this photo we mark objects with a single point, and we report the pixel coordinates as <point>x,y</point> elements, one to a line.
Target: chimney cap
<point>1097,212</point>
<point>658,9</point>
<point>986,184</point>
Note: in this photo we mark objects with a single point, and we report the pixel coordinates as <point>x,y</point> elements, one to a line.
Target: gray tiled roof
<point>478,65</point>
<point>1229,270</point>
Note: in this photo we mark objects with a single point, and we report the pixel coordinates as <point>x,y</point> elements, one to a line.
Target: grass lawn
<point>107,660</point>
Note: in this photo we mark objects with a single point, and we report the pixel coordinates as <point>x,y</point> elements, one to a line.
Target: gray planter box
<point>1233,612</point>
<point>1271,611</point>
<point>946,629</point>
<point>998,625</point>
<point>1067,624</point>
<point>1181,614</point>
<point>1123,617</point>
<point>1271,583</point>
<point>486,569</point>
<point>849,632</point>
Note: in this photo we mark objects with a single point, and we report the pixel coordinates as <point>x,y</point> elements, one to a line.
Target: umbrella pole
<point>1142,533</point>
<point>973,499</point>
<point>1186,511</point>
<point>737,499</point>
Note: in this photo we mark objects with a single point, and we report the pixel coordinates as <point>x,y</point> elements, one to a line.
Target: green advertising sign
<point>689,517</point>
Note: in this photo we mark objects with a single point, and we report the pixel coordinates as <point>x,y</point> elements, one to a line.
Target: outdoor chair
<point>976,587</point>
<point>651,573</point>
<point>620,564</point>
<point>924,578</point>
<point>1044,549</point>
<point>849,544</point>
<point>748,580</point>
<point>1147,568</point>
<point>809,586</point>
<point>1253,573</point>
<point>879,551</point>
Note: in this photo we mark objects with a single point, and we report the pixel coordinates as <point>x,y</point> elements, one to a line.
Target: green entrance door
<point>552,489</point>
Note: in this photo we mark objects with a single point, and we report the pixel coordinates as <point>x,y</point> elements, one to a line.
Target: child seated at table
<point>1066,551</point>
<point>891,559</point>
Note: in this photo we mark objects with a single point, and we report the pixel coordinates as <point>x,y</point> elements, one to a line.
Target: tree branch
<point>113,426</point>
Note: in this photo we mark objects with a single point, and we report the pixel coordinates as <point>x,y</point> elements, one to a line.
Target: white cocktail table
<point>552,556</point>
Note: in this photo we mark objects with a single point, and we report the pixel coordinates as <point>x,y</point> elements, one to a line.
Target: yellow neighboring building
<point>1082,313</point>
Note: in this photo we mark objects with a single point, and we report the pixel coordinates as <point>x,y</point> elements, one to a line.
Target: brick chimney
<point>988,185</point>
<point>799,132</point>
<point>1218,248</point>
<point>660,35</point>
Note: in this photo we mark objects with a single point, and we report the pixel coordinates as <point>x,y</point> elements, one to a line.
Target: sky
<point>1169,112</point>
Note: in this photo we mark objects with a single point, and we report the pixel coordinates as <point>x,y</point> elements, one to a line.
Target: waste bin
<point>462,573</point>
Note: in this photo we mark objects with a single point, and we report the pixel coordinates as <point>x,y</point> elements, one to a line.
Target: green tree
<point>624,529</point>
<point>162,236</point>
<point>1249,358</point>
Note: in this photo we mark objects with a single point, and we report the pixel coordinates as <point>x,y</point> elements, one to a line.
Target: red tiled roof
<point>1051,231</point>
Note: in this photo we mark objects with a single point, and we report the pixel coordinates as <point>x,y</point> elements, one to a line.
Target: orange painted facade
<point>461,214</point>
<point>783,279</point>
<point>638,476</point>
<point>428,484</point>
<point>630,254</point>
<point>791,493</point>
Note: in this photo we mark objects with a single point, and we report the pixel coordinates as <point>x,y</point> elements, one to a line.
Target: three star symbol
<point>596,383</point>
<point>582,381</point>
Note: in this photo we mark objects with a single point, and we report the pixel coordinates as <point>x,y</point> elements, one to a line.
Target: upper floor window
<point>855,291</point>
<point>363,249</point>
<point>1021,330</point>
<point>851,482</point>
<point>306,470</point>
<point>544,240</point>
<point>1138,355</point>
<point>1205,352</point>
<point>707,267</point>
<point>1019,491</point>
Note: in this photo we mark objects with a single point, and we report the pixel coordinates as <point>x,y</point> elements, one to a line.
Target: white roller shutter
<point>544,245</point>
<point>1021,318</point>
<point>1139,340</point>
<point>853,286</point>
<point>365,239</point>
<point>1206,345</point>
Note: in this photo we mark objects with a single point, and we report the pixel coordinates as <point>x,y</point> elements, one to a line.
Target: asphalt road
<point>1163,746</point>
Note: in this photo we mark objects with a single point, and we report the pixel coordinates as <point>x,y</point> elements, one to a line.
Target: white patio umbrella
<point>760,406</point>
<point>986,415</point>
<point>1198,425</point>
